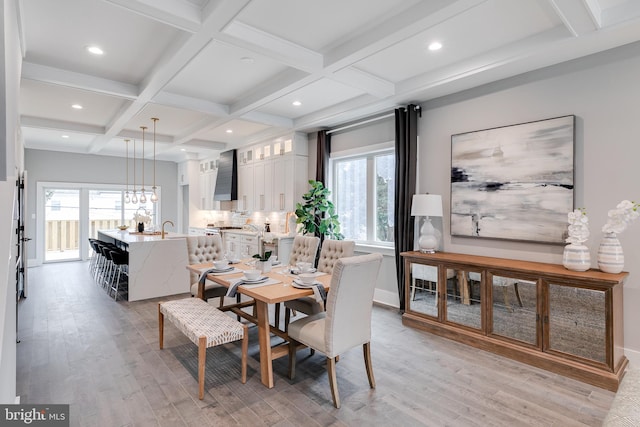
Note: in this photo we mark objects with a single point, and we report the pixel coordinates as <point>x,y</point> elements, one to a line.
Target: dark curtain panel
<point>406,152</point>
<point>322,156</point>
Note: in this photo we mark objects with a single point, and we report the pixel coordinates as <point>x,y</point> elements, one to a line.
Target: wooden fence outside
<point>64,235</point>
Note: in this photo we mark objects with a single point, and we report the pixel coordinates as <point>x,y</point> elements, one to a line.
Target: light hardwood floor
<point>80,347</point>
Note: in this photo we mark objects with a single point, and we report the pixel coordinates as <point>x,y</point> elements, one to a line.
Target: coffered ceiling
<point>207,67</point>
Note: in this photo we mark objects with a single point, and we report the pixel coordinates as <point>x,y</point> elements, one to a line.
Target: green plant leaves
<point>317,214</point>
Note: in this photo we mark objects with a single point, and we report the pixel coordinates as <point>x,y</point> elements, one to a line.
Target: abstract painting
<point>513,182</point>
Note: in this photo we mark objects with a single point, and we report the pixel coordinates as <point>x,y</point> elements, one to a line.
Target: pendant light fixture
<point>134,198</point>
<point>127,199</point>
<point>143,197</point>
<point>154,194</point>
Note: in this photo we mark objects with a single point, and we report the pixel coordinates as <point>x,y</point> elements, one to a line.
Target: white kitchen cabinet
<point>241,244</point>
<point>276,177</point>
<point>245,187</point>
<point>183,173</point>
<point>207,184</point>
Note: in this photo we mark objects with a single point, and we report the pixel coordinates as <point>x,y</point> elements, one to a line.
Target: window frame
<point>369,153</point>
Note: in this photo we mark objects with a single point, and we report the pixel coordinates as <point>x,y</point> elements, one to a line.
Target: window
<point>363,190</point>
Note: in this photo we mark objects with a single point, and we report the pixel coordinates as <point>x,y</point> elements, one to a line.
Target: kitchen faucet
<point>163,224</point>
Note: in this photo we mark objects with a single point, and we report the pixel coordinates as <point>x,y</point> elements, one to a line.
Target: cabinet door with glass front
<point>423,288</point>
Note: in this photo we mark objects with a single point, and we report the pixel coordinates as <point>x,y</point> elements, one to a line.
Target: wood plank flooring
<point>80,347</point>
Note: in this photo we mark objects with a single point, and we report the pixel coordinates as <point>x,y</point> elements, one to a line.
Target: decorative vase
<point>140,227</point>
<point>264,266</point>
<point>610,256</point>
<point>576,257</point>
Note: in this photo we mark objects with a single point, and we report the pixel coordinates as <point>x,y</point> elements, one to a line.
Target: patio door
<point>62,224</point>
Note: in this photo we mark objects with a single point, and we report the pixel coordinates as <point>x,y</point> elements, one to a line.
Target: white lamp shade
<point>426,205</point>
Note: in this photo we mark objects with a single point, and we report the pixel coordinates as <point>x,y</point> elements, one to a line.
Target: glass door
<point>62,224</point>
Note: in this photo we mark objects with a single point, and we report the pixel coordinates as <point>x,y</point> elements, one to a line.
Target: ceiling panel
<point>318,95</point>
<point>46,139</point>
<point>172,121</point>
<point>241,129</point>
<point>487,27</point>
<point>317,24</point>
<point>57,33</point>
<point>222,73</point>
<point>54,102</point>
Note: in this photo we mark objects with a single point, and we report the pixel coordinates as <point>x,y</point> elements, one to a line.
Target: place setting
<point>308,281</point>
<point>250,278</point>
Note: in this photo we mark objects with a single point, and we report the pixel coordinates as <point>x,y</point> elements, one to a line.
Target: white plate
<point>298,284</point>
<point>253,282</point>
<point>297,271</point>
<point>223,270</point>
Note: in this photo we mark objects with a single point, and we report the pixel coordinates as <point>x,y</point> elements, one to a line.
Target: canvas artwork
<point>513,182</point>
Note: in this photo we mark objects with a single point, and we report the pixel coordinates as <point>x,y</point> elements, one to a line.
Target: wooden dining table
<point>263,295</point>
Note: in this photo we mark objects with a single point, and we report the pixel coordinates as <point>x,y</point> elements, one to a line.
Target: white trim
<point>360,123</point>
<point>374,249</point>
<point>633,356</point>
<point>367,149</point>
<point>387,298</point>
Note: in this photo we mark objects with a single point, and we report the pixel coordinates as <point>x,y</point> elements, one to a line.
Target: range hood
<point>227,180</point>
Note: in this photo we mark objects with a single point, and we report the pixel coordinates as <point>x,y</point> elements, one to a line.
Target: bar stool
<point>120,261</point>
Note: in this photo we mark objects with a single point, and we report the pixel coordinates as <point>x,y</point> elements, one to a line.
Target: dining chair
<point>347,321</point>
<point>206,249</point>
<point>332,250</point>
<point>304,249</point>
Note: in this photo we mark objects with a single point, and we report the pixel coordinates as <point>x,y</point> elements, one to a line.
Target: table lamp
<point>427,205</point>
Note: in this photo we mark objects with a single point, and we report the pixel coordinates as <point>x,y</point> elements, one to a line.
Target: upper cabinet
<point>208,173</point>
<point>273,176</point>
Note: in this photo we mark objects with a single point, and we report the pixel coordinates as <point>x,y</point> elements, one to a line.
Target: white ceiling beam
<point>274,47</point>
<point>136,134</point>
<point>388,32</point>
<point>182,15</point>
<point>268,119</point>
<point>215,20</point>
<point>282,85</point>
<point>212,145</point>
<point>340,113</point>
<point>367,82</point>
<point>57,76</point>
<point>60,125</point>
<point>578,16</point>
<point>190,103</point>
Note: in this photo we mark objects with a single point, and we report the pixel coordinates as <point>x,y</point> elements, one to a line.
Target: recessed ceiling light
<point>229,130</point>
<point>183,149</point>
<point>95,50</point>
<point>435,46</point>
<point>297,103</point>
<point>77,106</point>
<point>247,59</point>
<point>65,136</point>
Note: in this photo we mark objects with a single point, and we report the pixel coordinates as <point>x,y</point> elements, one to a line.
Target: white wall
<point>603,92</point>
<point>52,166</point>
<point>11,156</point>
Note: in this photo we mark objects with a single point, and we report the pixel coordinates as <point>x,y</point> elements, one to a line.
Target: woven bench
<point>206,326</point>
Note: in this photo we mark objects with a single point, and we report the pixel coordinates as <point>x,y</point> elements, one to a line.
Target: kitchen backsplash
<point>277,220</point>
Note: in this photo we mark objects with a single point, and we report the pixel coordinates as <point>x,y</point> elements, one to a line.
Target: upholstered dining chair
<point>331,251</point>
<point>304,249</point>
<point>205,249</point>
<point>347,321</point>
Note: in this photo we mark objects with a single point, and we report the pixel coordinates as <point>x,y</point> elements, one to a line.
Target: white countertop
<point>127,237</point>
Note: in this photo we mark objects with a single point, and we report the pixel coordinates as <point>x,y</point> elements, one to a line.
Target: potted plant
<point>263,262</point>
<point>317,213</point>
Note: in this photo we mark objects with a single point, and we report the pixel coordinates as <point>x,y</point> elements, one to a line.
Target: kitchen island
<point>156,265</point>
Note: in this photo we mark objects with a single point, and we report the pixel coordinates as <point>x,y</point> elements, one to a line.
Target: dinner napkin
<point>234,283</point>
<point>319,292</point>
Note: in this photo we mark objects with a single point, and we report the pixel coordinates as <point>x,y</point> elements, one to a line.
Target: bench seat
<point>205,326</point>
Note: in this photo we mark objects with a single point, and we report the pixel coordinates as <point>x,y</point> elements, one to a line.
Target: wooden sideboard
<point>564,321</point>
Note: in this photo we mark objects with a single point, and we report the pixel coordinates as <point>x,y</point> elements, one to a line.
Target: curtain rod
<point>364,122</point>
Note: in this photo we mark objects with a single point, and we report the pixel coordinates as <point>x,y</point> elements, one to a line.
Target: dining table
<point>279,290</point>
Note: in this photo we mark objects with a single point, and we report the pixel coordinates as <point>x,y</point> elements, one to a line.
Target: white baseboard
<point>382,296</point>
<point>633,356</point>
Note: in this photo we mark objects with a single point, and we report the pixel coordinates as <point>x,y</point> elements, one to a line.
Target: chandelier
<point>154,190</point>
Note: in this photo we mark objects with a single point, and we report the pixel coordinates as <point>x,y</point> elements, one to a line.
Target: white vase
<point>576,257</point>
<point>610,256</point>
<point>264,266</point>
